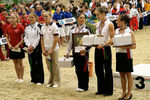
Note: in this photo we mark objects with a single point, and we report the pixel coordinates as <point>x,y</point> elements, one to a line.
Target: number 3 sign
<point>141,84</point>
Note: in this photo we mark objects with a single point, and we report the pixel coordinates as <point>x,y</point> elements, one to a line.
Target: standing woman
<point>124,60</point>
<point>58,15</point>
<point>49,43</point>
<point>103,56</point>
<point>140,10</point>
<point>67,14</point>
<point>14,33</point>
<point>32,41</point>
<point>80,59</point>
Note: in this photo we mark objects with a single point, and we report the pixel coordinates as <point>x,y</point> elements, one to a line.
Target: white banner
<point>114,17</point>
<point>67,21</point>
<point>3,41</point>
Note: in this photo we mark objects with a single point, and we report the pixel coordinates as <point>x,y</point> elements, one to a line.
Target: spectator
<point>67,14</point>
<point>87,12</point>
<point>58,15</point>
<point>121,9</point>
<point>140,10</point>
<point>134,20</point>
<point>38,10</point>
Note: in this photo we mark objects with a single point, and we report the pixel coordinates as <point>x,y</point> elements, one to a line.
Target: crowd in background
<point>115,7</point>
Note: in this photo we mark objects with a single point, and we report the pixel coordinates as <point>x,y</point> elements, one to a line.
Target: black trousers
<point>141,23</point>
<point>148,20</point>
<point>103,70</point>
<point>82,74</point>
<point>36,65</point>
<point>115,24</point>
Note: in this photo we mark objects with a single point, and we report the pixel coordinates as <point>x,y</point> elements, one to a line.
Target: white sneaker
<point>49,85</point>
<point>38,83</point>
<point>20,81</point>
<point>55,86</point>
<point>16,80</point>
<point>80,90</point>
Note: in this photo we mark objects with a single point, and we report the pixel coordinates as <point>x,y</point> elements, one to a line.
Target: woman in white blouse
<point>103,56</point>
<point>124,59</point>
<point>32,41</point>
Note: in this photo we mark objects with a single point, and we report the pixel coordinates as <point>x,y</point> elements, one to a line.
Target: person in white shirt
<point>91,4</point>
<point>32,41</point>
<point>49,43</point>
<point>103,56</point>
<point>124,59</point>
<point>134,21</point>
<point>104,3</point>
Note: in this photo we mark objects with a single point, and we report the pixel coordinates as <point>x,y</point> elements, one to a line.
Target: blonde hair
<point>48,12</point>
<point>17,16</point>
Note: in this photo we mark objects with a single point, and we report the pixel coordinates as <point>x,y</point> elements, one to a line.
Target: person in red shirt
<point>25,21</point>
<point>3,14</point>
<point>41,19</point>
<point>122,9</point>
<point>114,10</point>
<point>14,34</point>
<point>5,25</point>
<point>127,9</point>
<point>2,21</point>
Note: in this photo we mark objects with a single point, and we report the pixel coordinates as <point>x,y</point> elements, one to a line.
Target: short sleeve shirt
<point>48,32</point>
<point>57,17</point>
<point>15,33</point>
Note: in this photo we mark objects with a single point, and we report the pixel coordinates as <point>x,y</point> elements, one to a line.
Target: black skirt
<point>123,63</point>
<point>16,55</point>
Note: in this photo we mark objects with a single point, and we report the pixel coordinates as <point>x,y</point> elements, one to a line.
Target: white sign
<point>113,17</point>
<point>141,77</point>
<point>3,41</point>
<point>67,21</point>
<point>144,14</point>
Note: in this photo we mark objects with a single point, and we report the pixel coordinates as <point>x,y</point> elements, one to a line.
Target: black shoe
<point>129,97</point>
<point>99,93</point>
<point>122,98</point>
<point>107,95</point>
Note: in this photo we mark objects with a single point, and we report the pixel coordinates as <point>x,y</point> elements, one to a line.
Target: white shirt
<point>126,31</point>
<point>105,30</point>
<point>90,5</point>
<point>74,30</point>
<point>104,4</point>
<point>133,11</point>
<point>32,35</point>
<point>48,32</point>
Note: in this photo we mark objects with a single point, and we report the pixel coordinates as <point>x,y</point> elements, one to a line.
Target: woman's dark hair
<point>103,9</point>
<point>125,18</point>
<point>98,5</point>
<point>74,11</point>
